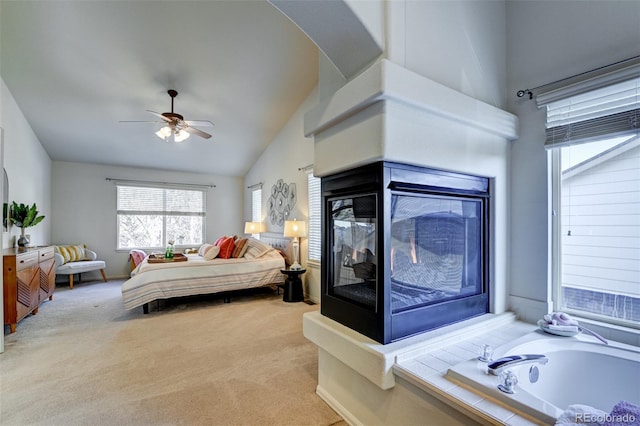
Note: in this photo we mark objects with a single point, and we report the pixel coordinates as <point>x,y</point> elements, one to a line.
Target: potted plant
<point>24,216</point>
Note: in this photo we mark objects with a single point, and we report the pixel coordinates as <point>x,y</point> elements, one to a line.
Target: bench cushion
<point>71,268</point>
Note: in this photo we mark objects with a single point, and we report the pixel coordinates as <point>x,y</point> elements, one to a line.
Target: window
<point>150,217</point>
<point>256,208</point>
<point>595,162</point>
<point>315,231</point>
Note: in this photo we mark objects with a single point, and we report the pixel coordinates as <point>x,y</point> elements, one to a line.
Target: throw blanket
<point>624,414</point>
<point>137,256</point>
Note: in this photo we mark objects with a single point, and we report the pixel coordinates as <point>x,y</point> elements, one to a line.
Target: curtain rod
<point>255,185</point>
<point>306,168</point>
<point>148,182</point>
<point>521,93</point>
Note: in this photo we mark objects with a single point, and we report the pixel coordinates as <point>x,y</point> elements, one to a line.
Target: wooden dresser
<point>29,278</point>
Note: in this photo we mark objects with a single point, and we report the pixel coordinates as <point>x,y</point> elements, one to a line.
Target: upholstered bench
<point>71,260</point>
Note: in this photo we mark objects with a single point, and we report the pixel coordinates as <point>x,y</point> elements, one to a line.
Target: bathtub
<point>581,370</point>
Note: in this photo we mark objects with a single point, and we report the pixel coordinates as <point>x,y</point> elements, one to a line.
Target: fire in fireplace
<point>405,249</point>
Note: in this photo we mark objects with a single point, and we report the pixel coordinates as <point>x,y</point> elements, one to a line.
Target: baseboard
<point>337,407</point>
<point>313,300</point>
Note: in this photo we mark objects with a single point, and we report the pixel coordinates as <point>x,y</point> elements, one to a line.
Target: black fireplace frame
<point>385,179</point>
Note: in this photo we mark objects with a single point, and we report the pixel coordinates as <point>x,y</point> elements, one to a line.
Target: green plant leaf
<point>24,216</point>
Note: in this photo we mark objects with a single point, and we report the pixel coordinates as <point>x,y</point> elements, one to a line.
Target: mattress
<point>155,281</point>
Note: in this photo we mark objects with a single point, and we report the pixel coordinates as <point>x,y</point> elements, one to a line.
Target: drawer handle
<point>22,261</point>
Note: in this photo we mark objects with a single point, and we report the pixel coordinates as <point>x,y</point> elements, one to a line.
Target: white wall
<point>84,207</point>
<point>548,41</point>
<point>288,152</point>
<point>460,44</point>
<point>28,167</point>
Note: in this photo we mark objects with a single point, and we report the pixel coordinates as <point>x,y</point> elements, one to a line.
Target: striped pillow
<point>240,247</point>
<point>72,253</point>
<point>226,248</point>
<point>256,249</point>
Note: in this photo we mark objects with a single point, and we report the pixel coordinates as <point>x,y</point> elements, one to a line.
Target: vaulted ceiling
<point>78,68</point>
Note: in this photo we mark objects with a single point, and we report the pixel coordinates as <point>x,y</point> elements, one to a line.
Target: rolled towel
<point>581,415</point>
<point>570,328</point>
<point>623,414</point>
<point>564,328</point>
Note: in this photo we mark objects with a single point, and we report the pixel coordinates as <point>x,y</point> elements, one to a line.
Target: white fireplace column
<point>388,113</point>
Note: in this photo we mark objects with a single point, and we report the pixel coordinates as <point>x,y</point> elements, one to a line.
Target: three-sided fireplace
<point>405,249</point>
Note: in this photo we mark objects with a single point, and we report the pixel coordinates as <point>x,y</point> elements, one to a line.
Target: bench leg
<point>70,281</point>
<point>103,275</point>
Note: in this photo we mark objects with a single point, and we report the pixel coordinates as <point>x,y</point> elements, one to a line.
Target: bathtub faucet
<point>501,364</point>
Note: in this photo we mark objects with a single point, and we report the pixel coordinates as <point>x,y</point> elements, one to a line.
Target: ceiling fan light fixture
<point>180,136</point>
<point>164,133</point>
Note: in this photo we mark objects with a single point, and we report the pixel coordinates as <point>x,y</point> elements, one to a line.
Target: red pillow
<point>219,240</point>
<point>226,248</point>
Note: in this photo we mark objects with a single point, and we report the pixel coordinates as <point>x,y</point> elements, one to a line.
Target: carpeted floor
<point>84,360</point>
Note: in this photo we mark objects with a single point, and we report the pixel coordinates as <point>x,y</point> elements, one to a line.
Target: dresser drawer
<point>46,253</point>
<point>26,260</point>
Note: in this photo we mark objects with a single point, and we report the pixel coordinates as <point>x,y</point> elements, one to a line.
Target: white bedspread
<point>153,281</point>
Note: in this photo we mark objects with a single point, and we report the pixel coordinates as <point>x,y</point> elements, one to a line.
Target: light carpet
<point>85,360</point>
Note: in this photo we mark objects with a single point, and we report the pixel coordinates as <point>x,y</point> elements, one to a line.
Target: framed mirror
<point>5,201</point>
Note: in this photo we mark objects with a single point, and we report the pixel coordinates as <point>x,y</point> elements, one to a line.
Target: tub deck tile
<point>434,363</point>
<point>421,368</point>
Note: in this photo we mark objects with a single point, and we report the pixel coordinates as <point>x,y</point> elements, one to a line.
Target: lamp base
<point>295,267</point>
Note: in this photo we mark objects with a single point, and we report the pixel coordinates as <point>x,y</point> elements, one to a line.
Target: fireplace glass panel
<point>354,221</point>
<point>436,251</point>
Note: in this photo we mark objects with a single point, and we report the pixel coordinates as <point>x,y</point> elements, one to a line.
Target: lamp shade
<point>253,227</point>
<point>293,228</point>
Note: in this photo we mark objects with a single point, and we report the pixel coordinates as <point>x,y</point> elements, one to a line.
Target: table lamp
<point>295,229</point>
<point>253,227</point>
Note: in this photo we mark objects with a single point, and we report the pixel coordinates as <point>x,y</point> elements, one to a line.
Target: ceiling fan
<point>176,127</point>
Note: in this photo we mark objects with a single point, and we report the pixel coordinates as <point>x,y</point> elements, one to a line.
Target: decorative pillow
<point>257,249</point>
<point>240,247</point>
<point>219,240</point>
<point>203,249</point>
<point>72,253</point>
<point>211,252</point>
<point>226,248</point>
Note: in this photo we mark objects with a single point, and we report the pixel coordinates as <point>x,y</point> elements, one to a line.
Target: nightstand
<point>293,285</point>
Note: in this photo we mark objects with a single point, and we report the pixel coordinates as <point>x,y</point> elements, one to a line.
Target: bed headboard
<point>277,240</point>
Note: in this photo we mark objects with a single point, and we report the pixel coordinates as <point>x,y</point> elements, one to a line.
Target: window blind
<point>315,228</point>
<point>256,205</point>
<point>609,111</point>
<point>150,200</point>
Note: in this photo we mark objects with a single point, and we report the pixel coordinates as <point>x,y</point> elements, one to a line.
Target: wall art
<point>281,201</point>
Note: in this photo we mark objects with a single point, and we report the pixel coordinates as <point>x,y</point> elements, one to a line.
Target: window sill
<point>614,332</point>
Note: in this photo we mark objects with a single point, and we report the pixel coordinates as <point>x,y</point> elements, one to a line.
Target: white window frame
<point>574,127</point>
<point>163,213</point>
<point>256,207</point>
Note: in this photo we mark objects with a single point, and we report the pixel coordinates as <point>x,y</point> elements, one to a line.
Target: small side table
<point>293,285</point>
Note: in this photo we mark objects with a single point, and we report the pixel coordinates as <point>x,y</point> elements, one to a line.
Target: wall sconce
<point>295,229</point>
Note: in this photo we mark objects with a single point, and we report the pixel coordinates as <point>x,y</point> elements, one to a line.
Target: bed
<point>154,281</point>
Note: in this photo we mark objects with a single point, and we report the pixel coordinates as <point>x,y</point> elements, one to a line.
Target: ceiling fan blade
<point>199,123</point>
<point>197,132</point>
<point>168,120</point>
<point>139,121</point>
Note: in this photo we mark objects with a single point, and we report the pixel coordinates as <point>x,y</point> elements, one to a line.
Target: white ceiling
<point>78,68</point>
